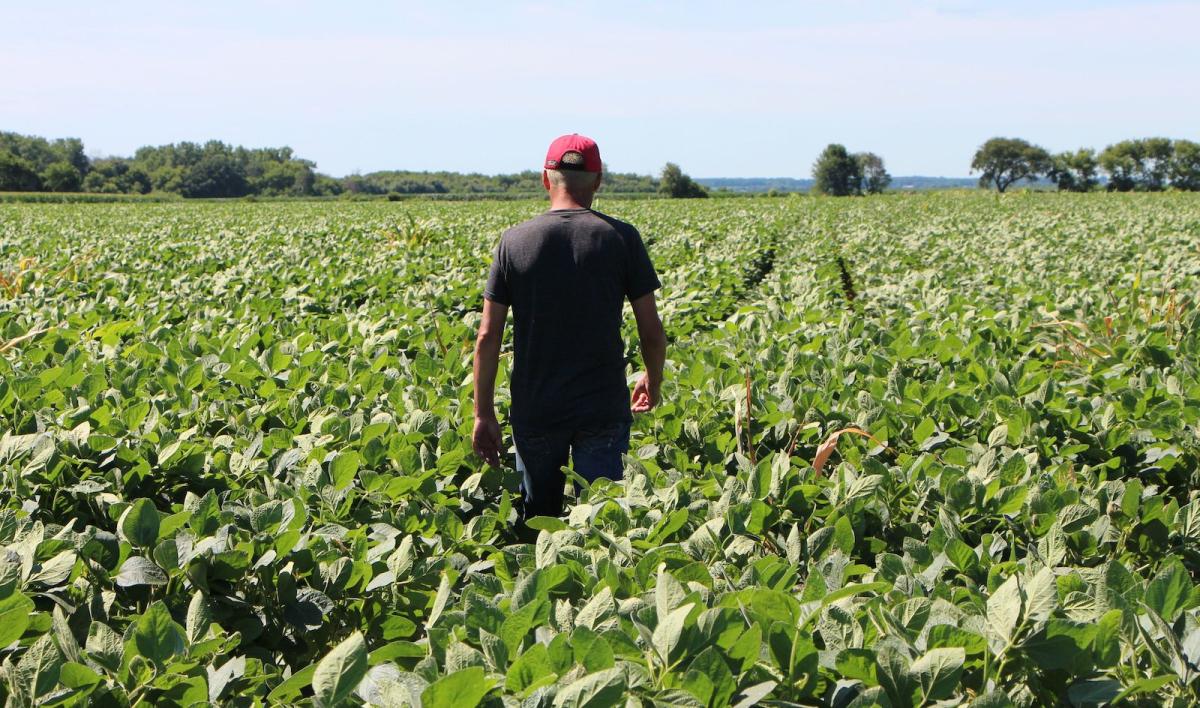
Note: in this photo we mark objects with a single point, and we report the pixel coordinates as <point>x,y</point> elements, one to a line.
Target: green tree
<point>1156,163</point>
<point>1143,165</point>
<point>97,183</point>
<point>1003,161</point>
<point>17,174</point>
<point>1121,162</point>
<point>70,150</point>
<point>326,186</point>
<point>1185,166</point>
<point>168,178</point>
<point>41,153</point>
<point>837,173</point>
<point>215,175</point>
<point>1074,171</point>
<point>116,176</point>
<point>875,178</point>
<point>61,177</point>
<point>282,178</point>
<point>677,185</point>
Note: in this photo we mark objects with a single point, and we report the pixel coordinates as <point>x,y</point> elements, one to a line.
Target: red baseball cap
<point>586,159</point>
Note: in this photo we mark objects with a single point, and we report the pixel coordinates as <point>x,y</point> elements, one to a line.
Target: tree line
<point>837,172</point>
<point>215,169</point>
<point>527,182</point>
<point>1143,165</point>
<point>212,169</point>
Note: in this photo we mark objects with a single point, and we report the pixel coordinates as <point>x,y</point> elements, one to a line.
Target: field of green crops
<point>914,451</point>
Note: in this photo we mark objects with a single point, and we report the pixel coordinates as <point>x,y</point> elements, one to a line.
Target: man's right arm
<point>486,438</point>
<point>654,353</point>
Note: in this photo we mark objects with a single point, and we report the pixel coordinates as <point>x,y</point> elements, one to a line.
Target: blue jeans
<point>595,449</point>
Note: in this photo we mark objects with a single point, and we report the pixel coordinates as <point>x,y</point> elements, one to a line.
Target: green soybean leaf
<point>938,671</point>
<point>75,675</point>
<point>946,636</point>
<point>1062,644</point>
<point>67,643</point>
<point>14,617</point>
<point>1041,595</point>
<point>439,601</point>
<point>344,468</point>
<point>721,683</point>
<point>1004,609</point>
<point>1145,685</point>
<point>529,670</point>
<point>138,570</point>
<point>396,650</point>
<point>1093,691</point>
<point>1107,645</point>
<point>669,630</point>
<point>157,636</point>
<point>747,647</point>
<point>218,679</point>
<point>339,672</point>
<point>199,617</point>
<point>537,585</point>
<point>599,690</point>
<point>140,523</point>
<point>854,589</point>
<point>753,695</point>
<point>461,689</point>
<point>859,664</point>
<point>598,609</point>
<point>668,592</point>
<point>590,650</point>
<point>923,430</point>
<point>892,669</point>
<point>1168,591</point>
<point>104,646</point>
<point>291,688</point>
<point>843,535</point>
<point>517,625</point>
<point>547,523</point>
<point>39,669</point>
<point>55,571</point>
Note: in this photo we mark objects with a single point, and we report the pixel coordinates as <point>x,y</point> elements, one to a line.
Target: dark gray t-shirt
<point>566,274</point>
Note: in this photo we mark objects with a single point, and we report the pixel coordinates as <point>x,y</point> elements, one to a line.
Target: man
<point>566,274</point>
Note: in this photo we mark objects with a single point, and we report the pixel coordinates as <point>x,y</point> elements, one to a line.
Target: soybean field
<point>914,450</point>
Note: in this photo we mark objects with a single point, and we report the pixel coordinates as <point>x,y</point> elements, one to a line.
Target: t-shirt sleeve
<point>640,277</point>
<point>496,289</point>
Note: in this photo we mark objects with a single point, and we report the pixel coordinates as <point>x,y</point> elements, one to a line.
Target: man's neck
<point>566,201</point>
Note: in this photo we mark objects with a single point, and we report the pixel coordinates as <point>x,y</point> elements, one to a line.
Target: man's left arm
<point>486,438</point>
<point>654,353</point>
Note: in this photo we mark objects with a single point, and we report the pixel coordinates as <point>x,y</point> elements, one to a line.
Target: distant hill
<point>791,184</point>
<point>750,185</point>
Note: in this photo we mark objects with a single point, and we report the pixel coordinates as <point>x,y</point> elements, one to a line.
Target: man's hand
<point>645,395</point>
<point>486,440</point>
<point>654,353</point>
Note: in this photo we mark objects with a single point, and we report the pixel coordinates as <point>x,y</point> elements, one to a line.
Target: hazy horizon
<point>724,91</point>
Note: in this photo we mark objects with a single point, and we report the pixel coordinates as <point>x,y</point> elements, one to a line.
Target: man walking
<point>566,274</point>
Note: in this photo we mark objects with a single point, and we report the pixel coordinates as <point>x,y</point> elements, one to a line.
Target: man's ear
<point>546,180</point>
<point>599,179</point>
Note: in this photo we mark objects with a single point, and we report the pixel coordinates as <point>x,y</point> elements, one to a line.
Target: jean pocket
<point>603,438</point>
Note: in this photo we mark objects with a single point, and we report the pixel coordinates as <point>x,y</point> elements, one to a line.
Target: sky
<point>724,89</point>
